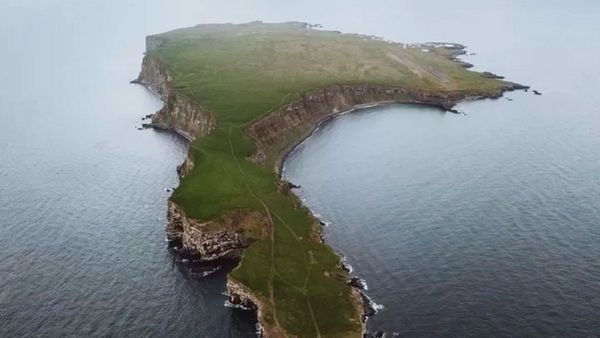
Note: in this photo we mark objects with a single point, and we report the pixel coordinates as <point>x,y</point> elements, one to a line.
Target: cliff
<point>179,113</point>
<point>213,240</point>
<point>228,236</point>
<point>208,241</point>
<point>245,95</point>
<point>240,295</point>
<point>275,134</point>
<point>278,132</point>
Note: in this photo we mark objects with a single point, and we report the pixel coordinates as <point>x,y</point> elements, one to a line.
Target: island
<point>245,95</point>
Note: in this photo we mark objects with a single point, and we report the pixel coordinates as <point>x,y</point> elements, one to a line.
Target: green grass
<point>240,73</point>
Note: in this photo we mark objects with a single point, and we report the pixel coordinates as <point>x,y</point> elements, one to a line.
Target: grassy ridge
<point>240,73</point>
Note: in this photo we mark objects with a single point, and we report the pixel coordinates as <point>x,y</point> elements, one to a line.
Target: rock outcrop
<point>491,75</point>
<point>184,168</point>
<point>179,113</point>
<point>240,295</point>
<point>153,42</point>
<point>213,240</point>
<point>225,238</point>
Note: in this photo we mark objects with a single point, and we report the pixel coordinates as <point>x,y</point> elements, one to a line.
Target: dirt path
<point>418,69</point>
<point>271,226</point>
<point>272,270</point>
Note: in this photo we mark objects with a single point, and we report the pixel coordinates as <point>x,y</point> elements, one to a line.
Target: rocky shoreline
<point>215,240</point>
<point>311,110</point>
<point>178,114</point>
<point>210,241</point>
<point>240,296</point>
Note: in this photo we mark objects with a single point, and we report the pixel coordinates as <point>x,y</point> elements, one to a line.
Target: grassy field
<point>242,72</point>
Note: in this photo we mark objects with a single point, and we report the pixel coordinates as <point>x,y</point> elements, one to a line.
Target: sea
<point>481,224</point>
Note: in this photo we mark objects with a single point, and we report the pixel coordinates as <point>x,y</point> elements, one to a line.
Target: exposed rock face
<point>302,116</point>
<point>179,113</point>
<point>242,296</point>
<point>228,236</point>
<point>212,240</point>
<point>185,167</point>
<point>490,75</point>
<point>153,42</point>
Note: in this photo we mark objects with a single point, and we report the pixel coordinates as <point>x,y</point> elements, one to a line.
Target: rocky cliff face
<point>213,240</point>
<point>153,42</point>
<point>179,113</point>
<point>302,116</point>
<point>274,135</point>
<point>185,167</point>
<point>240,295</point>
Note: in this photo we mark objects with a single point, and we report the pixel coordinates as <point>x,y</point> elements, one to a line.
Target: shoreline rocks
<point>240,295</point>
<point>303,116</point>
<point>210,241</point>
<point>179,113</point>
<point>491,75</point>
<point>225,239</point>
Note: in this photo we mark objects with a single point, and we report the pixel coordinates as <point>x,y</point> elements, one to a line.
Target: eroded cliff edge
<point>280,131</point>
<point>206,241</point>
<point>274,135</point>
<point>179,113</point>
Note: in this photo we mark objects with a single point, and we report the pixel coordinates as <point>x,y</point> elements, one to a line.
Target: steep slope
<point>245,95</point>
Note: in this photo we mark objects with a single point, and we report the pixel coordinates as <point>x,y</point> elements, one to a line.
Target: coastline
<point>280,162</point>
<point>444,101</point>
<point>180,112</point>
<point>365,305</point>
<point>241,296</point>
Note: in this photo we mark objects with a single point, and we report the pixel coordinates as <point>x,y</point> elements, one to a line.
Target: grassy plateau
<point>240,73</point>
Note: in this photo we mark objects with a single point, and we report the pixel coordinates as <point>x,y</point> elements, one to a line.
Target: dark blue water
<point>476,225</point>
<point>82,191</point>
<point>480,225</point>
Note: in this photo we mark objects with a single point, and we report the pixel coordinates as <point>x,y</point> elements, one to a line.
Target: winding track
<point>273,271</point>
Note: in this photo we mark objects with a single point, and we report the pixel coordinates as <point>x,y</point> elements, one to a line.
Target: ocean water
<point>82,191</point>
<point>479,225</point>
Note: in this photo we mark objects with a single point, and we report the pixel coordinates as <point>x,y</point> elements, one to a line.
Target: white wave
<point>377,307</point>
<point>236,306</point>
<point>364,285</point>
<point>347,265</point>
<point>210,272</point>
<point>258,329</point>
